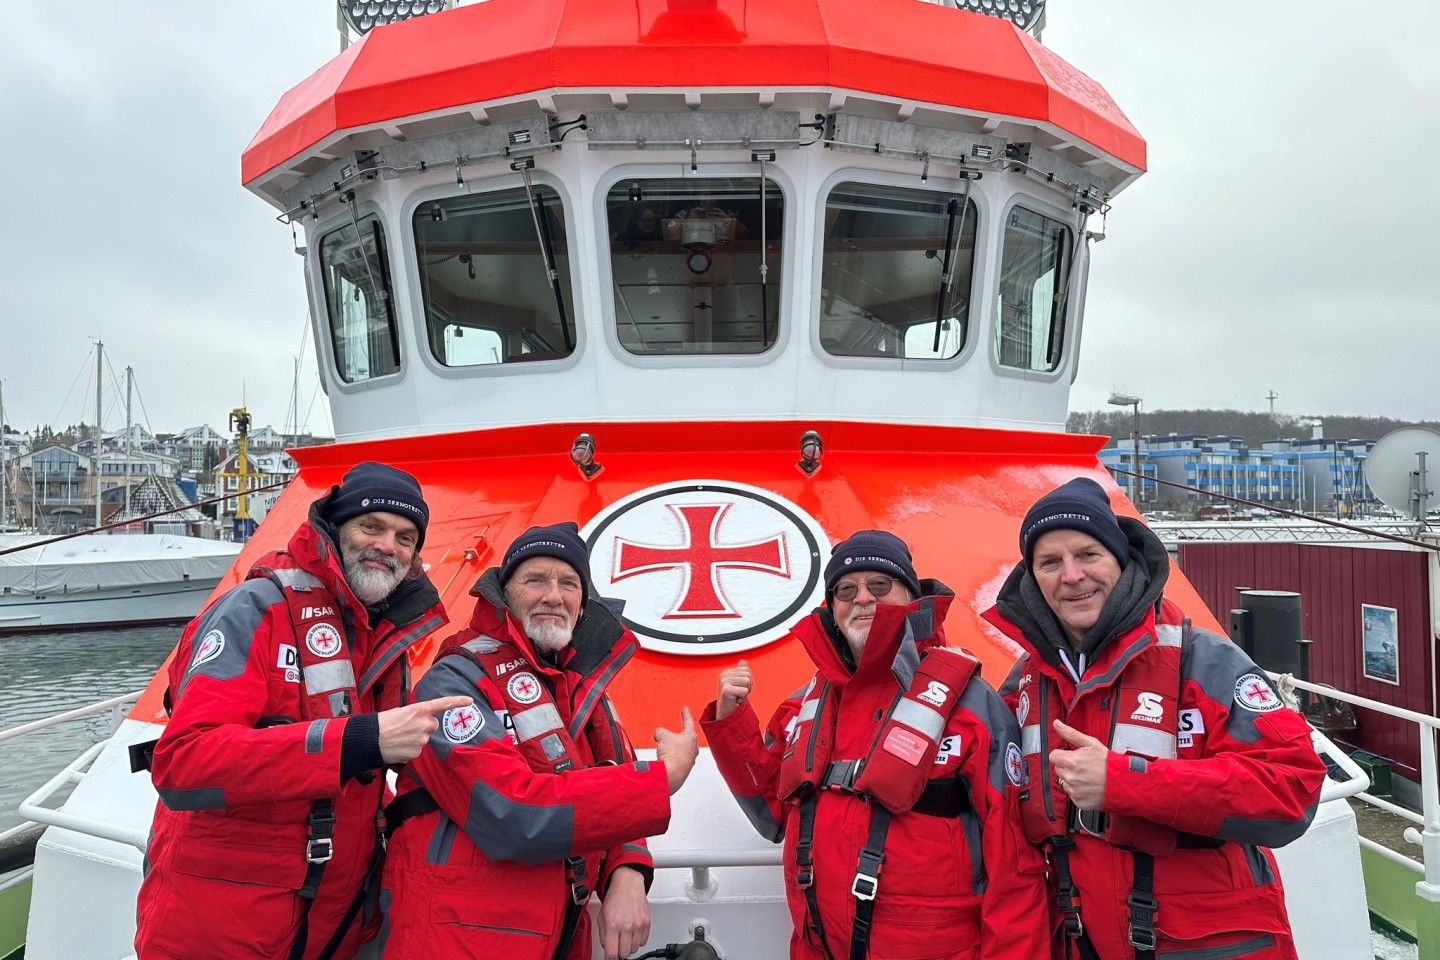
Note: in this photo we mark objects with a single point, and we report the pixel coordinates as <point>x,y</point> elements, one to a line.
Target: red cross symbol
<point>463,718</point>
<point>1259,691</point>
<point>701,558</point>
<point>524,686</point>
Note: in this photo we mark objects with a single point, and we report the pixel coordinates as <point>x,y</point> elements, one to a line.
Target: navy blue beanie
<point>559,541</point>
<point>1080,505</point>
<point>872,550</point>
<point>372,487</point>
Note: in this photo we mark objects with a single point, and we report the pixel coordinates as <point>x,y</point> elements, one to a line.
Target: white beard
<point>368,583</point>
<point>855,635</point>
<point>548,637</point>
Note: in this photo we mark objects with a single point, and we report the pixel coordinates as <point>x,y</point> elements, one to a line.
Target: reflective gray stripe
<point>1231,951</point>
<point>205,798</point>
<point>315,736</point>
<point>538,720</point>
<point>1030,739</point>
<point>291,577</point>
<point>331,675</point>
<point>582,712</point>
<point>808,710</point>
<point>1168,634</point>
<point>1152,742</point>
<point>757,811</point>
<point>395,647</point>
<point>505,829</point>
<point>482,645</point>
<point>919,717</point>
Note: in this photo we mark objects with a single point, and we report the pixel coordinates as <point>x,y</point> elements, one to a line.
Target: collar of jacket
<point>599,637</point>
<point>898,635</point>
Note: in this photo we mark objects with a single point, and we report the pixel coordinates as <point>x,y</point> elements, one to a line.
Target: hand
<point>1081,769</point>
<point>624,914</point>
<point>404,730</point>
<point>677,750</point>
<point>735,685</point>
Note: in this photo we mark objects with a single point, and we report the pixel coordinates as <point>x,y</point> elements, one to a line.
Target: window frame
<point>364,211</point>
<point>979,269</point>
<point>1079,270</point>
<point>784,266</point>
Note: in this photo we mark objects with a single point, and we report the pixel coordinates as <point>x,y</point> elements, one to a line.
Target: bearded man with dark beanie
<point>1160,762</point>
<point>898,754</point>
<point>288,696</point>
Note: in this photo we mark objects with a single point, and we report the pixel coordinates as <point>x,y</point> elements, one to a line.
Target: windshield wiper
<point>547,247</point>
<point>953,209</point>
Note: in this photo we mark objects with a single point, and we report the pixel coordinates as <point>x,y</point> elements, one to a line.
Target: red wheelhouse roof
<point>503,48</point>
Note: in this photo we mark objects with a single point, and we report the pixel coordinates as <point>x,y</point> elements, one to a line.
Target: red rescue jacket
<point>965,886</point>
<point>263,684</point>
<point>1244,776</point>
<point>485,873</point>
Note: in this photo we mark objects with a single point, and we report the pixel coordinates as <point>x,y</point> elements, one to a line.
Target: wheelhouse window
<point>1034,282</point>
<point>485,275</point>
<point>696,263</point>
<point>884,290</point>
<point>358,301</point>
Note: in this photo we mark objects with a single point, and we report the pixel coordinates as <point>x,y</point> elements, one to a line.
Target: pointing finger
<point>687,725</point>
<point>441,704</point>
<point>1074,737</point>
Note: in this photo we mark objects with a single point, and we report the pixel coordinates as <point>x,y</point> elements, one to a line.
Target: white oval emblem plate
<point>707,566</point>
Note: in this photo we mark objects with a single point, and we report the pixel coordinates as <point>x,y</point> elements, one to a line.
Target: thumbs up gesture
<point>735,684</point>
<point>1080,769</point>
<point>677,750</point>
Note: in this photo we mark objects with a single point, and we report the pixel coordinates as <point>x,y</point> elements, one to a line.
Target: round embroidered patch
<point>462,723</point>
<point>210,646</point>
<point>1014,764</point>
<point>323,640</point>
<point>1254,693</point>
<point>1022,708</point>
<point>524,688</point>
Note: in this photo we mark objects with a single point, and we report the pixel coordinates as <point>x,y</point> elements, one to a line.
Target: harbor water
<point>48,673</point>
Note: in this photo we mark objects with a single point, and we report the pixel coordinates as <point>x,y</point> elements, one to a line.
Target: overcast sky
<point>1281,240</point>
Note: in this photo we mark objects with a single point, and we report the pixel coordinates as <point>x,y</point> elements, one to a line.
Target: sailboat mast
<point>129,388</point>
<point>99,382</point>
<point>4,472</point>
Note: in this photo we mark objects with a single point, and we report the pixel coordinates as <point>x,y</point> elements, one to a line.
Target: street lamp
<point>1133,402</point>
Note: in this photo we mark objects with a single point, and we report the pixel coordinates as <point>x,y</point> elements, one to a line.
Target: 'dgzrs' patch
<point>1254,694</point>
<point>1014,764</point>
<point>524,688</point>
<point>462,723</point>
<point>210,646</point>
<point>323,640</point>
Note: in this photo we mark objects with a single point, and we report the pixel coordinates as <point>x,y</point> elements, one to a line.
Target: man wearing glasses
<point>891,777</point>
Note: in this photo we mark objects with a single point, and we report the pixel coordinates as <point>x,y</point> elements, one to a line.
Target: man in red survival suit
<point>521,805</point>
<point>288,696</point>
<point>892,777</point>
<point>1160,760</point>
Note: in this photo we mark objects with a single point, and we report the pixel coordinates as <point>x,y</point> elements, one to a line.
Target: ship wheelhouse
<point>690,251</point>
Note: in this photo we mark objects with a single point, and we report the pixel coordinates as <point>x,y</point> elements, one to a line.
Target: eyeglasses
<point>648,219</point>
<point>846,590</point>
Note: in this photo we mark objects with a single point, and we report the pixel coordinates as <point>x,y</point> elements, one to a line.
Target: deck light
<point>363,15</point>
<point>582,454</point>
<point>1028,15</point>
<point>812,449</point>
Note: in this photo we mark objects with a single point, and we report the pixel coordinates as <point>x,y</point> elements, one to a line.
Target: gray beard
<point>369,584</point>
<point>548,637</point>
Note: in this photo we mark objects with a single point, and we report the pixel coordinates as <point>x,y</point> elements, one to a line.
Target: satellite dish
<point>1393,465</point>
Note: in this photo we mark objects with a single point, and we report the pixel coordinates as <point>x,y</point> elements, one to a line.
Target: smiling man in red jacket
<point>1160,761</point>
<point>892,778</point>
<point>289,694</point>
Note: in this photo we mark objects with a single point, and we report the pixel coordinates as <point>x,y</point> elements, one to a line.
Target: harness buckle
<point>319,849</point>
<point>579,893</point>
<point>865,886</point>
<point>1067,898</point>
<point>804,878</point>
<point>1142,921</point>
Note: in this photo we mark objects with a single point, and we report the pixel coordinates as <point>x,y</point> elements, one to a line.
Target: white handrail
<point>31,809</point>
<point>75,714</point>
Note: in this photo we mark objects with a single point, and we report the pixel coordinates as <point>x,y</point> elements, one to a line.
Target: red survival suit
<point>522,804</point>
<point>263,683</point>
<point>958,879</point>
<point>1207,770</point>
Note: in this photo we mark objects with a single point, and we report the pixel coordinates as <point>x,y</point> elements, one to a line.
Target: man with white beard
<point>288,696</point>
<point>522,804</point>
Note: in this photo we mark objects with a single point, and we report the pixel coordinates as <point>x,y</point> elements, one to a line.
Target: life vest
<point>897,769</point>
<point>1143,719</point>
<point>321,654</point>
<point>545,742</point>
